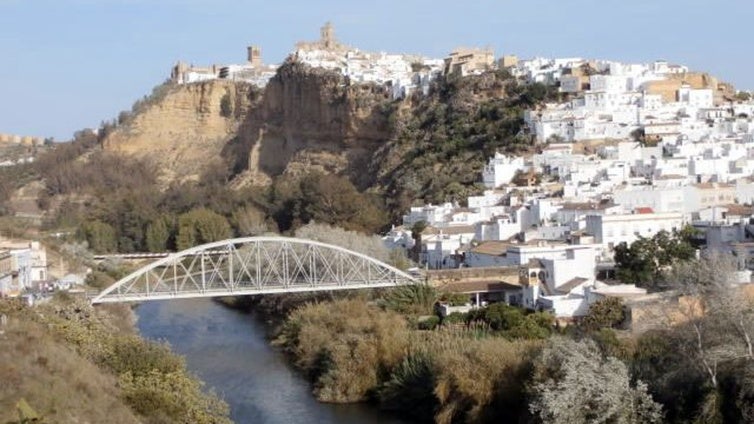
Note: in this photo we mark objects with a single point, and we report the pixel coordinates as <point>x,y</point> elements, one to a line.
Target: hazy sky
<point>68,64</point>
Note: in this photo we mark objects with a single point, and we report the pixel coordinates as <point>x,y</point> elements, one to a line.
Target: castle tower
<point>178,72</point>
<point>254,55</point>
<point>327,36</point>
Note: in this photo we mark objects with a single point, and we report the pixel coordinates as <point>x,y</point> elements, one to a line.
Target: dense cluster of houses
<point>399,74</point>
<point>656,102</point>
<point>631,151</point>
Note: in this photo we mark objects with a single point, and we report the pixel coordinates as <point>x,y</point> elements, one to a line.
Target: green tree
<point>699,363</point>
<point>334,200</point>
<point>226,106</point>
<point>100,236</point>
<point>643,262</point>
<point>416,233</point>
<point>158,234</point>
<point>200,226</point>
<point>604,313</point>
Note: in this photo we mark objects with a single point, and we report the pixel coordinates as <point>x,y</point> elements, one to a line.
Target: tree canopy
<point>643,262</point>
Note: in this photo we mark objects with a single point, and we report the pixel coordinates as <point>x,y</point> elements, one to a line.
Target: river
<point>228,350</point>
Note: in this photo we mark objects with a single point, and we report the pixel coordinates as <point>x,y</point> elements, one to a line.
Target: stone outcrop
<point>185,130</point>
<point>311,118</point>
<point>305,119</point>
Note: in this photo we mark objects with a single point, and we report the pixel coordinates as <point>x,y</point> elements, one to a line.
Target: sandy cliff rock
<point>312,119</point>
<point>305,119</point>
<point>185,131</point>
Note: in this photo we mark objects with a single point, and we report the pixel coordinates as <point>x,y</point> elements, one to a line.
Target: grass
<point>354,350</point>
<point>73,363</point>
<point>54,379</point>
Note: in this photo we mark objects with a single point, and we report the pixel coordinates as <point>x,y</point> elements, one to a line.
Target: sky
<point>69,64</point>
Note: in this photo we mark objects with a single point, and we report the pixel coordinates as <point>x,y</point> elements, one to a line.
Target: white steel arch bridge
<point>253,265</point>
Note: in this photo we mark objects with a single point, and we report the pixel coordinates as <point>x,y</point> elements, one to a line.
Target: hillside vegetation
<point>308,148</point>
<point>443,140</point>
<point>72,363</point>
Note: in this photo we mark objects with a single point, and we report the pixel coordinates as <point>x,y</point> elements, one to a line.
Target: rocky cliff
<point>184,130</point>
<point>313,119</point>
<point>305,119</point>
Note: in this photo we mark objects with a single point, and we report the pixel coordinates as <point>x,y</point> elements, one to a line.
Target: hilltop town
<point>629,151</point>
<point>550,236</point>
<point>622,152</point>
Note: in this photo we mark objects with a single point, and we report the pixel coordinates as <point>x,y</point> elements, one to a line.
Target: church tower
<point>327,36</point>
<point>254,56</point>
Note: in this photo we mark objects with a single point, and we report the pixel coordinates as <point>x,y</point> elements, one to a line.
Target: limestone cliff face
<point>305,119</point>
<point>184,131</point>
<point>312,119</point>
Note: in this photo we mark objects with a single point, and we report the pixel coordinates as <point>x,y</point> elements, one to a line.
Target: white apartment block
<point>434,215</point>
<point>501,169</point>
<point>611,230</point>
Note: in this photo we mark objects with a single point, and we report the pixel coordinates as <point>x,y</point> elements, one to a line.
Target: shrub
<point>604,313</point>
<point>573,383</point>
<point>410,388</point>
<point>414,299</point>
<point>454,318</point>
<point>346,346</point>
<point>481,379</point>
<point>171,397</point>
<point>429,323</point>
<point>514,322</point>
<point>154,382</point>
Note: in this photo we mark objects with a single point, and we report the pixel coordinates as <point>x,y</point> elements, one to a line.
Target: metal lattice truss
<point>253,265</point>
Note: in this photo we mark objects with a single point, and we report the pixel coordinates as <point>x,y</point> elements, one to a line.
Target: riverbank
<point>356,347</point>
<point>231,352</point>
<point>71,362</point>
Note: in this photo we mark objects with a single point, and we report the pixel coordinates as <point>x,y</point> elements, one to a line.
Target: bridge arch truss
<point>253,265</point>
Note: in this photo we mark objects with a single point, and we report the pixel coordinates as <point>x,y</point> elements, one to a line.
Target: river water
<point>228,350</point>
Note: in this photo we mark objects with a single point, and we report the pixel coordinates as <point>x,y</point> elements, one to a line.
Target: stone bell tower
<point>327,36</point>
<point>254,56</point>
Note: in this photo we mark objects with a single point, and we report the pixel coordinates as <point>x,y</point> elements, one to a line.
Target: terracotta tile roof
<point>570,285</point>
<point>644,210</point>
<point>739,210</point>
<point>492,247</point>
<point>535,263</point>
<point>587,206</point>
<point>712,186</point>
<point>452,230</point>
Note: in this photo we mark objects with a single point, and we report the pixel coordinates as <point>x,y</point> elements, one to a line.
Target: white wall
<point>611,230</point>
<point>565,306</point>
<point>501,169</point>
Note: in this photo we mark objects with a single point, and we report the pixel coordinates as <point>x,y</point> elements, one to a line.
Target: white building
<point>440,246</point>
<point>501,169</point>
<point>611,230</point>
<point>499,253</point>
<point>435,215</point>
<point>398,238</point>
